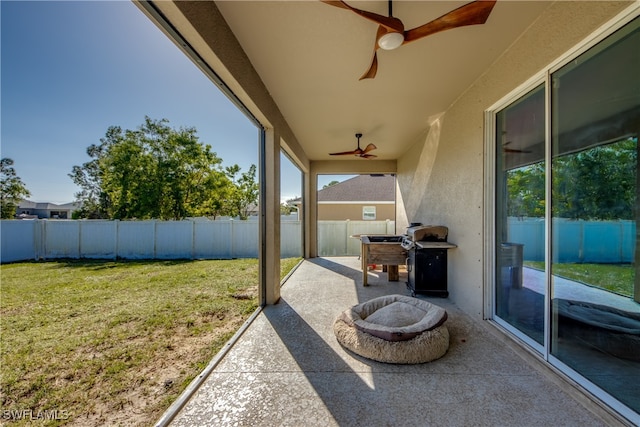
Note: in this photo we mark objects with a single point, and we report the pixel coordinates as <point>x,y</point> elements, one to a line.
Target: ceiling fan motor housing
<point>391,41</point>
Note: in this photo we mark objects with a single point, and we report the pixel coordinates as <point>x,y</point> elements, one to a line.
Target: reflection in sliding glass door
<point>520,210</point>
<point>595,323</point>
<point>567,211</point>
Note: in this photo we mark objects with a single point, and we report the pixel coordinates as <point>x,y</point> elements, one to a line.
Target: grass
<point>618,278</point>
<point>114,343</point>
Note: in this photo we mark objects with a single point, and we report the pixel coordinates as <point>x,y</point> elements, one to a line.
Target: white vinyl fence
<point>191,239</point>
<point>339,238</point>
<point>582,241</point>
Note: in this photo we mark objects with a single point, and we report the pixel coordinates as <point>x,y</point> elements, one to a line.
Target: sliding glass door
<point>520,214</point>
<point>595,314</point>
<point>567,204</point>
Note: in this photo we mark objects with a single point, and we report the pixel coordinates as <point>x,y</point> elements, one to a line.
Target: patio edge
<point>188,392</point>
<point>186,395</point>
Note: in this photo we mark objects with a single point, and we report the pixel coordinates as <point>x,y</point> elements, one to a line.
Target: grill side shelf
<point>435,245</point>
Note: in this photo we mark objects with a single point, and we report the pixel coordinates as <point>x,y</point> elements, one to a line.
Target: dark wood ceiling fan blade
<point>347,153</point>
<point>373,68</point>
<point>387,21</point>
<point>473,13</point>
<point>369,148</point>
<point>513,150</point>
<point>338,3</point>
<point>358,152</point>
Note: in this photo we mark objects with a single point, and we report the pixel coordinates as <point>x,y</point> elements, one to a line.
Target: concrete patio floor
<point>287,369</point>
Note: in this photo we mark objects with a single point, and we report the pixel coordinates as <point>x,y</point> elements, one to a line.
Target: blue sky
<point>70,70</point>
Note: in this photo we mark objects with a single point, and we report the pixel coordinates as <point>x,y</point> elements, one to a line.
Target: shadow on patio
<point>287,369</point>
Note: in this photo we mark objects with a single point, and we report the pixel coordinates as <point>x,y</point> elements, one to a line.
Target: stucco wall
<point>333,212</point>
<point>440,179</point>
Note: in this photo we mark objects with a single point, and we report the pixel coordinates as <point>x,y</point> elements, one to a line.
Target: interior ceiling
<point>310,56</point>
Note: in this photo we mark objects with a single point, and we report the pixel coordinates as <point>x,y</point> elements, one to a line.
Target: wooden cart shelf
<point>385,250</point>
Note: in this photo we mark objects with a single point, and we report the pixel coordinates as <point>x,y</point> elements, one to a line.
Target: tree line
<point>12,189</point>
<point>154,171</point>
<point>159,172</point>
<point>594,184</point>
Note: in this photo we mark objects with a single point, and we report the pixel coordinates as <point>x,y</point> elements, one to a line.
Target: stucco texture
<point>440,179</point>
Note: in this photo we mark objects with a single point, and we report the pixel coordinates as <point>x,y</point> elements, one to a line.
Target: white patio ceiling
<point>310,56</point>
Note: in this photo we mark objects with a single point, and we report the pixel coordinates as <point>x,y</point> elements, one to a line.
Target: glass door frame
<point>490,242</point>
<point>490,197</point>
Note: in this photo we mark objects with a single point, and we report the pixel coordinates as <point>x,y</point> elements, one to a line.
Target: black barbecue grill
<point>427,247</point>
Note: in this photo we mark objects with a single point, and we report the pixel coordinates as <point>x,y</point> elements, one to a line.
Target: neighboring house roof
<point>28,204</point>
<point>31,210</point>
<point>362,188</point>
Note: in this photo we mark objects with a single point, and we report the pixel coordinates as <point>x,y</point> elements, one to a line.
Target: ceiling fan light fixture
<point>391,41</point>
<point>391,33</point>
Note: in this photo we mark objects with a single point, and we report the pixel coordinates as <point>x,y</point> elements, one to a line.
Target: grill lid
<point>428,233</point>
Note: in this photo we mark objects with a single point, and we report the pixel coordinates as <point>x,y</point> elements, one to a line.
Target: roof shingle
<point>362,188</point>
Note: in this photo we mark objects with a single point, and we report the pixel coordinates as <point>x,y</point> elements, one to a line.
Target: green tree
<point>330,184</point>
<point>12,189</point>
<point>92,177</point>
<point>244,192</point>
<point>526,191</point>
<point>286,208</point>
<point>94,201</point>
<point>154,171</point>
<point>213,203</point>
<point>598,183</point>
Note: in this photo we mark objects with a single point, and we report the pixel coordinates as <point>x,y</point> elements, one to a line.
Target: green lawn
<point>618,278</point>
<point>114,343</point>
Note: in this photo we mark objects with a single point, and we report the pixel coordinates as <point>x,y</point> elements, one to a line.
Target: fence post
<point>80,240</point>
<point>621,240</point>
<point>193,239</point>
<point>38,239</point>
<point>45,226</point>
<point>116,250</point>
<point>233,237</point>
<point>155,239</point>
<point>581,241</point>
<point>346,236</point>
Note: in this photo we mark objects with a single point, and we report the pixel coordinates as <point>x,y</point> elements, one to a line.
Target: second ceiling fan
<point>358,152</point>
<point>391,33</point>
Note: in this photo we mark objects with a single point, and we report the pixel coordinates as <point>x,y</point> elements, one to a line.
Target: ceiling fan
<point>512,150</point>
<point>358,152</point>
<point>391,33</point>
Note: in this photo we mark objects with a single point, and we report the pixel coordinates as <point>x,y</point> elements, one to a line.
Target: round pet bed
<point>394,329</point>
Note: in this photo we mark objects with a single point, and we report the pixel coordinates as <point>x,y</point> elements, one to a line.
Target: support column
<point>311,214</point>
<point>307,223</point>
<point>636,284</point>
<point>269,261</point>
